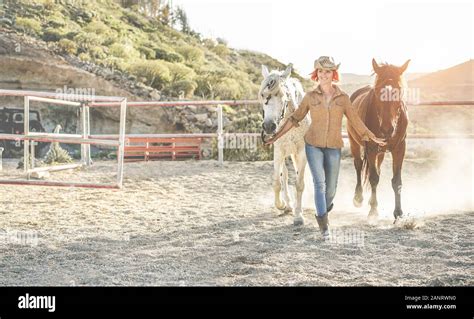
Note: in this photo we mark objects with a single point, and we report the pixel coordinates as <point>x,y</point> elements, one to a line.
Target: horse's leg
<point>356,154</point>
<point>299,162</point>
<point>284,184</point>
<point>398,155</point>
<point>278,161</point>
<point>374,176</point>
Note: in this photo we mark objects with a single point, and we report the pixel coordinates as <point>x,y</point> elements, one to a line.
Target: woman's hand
<point>286,127</point>
<point>271,140</point>
<point>377,140</point>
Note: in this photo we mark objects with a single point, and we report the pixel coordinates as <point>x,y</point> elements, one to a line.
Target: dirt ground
<point>195,223</point>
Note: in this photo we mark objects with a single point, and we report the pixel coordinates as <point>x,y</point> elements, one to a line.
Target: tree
<point>149,8</point>
<point>182,19</point>
<point>166,15</point>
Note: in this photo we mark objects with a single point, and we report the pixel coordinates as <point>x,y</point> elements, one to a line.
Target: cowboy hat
<point>326,63</point>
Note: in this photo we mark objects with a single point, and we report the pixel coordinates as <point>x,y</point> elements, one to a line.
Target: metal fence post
<point>220,135</point>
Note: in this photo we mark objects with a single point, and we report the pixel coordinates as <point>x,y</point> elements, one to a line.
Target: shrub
<point>53,35</point>
<point>85,57</point>
<point>85,41</point>
<point>29,26</point>
<point>56,20</point>
<point>179,72</point>
<point>221,41</point>
<point>115,24</point>
<point>98,27</point>
<point>163,54</point>
<point>114,63</point>
<point>209,43</point>
<point>192,55</point>
<point>134,18</point>
<point>228,89</point>
<point>97,53</point>
<point>156,72</point>
<point>67,46</point>
<point>186,87</point>
<point>125,51</point>
<point>147,52</point>
<point>221,50</point>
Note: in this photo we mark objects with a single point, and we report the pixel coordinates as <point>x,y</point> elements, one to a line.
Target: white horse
<point>280,96</point>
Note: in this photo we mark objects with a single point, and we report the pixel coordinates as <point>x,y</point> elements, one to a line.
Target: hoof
<point>280,206</point>
<point>298,221</point>
<point>398,219</point>
<point>398,214</point>
<point>357,201</point>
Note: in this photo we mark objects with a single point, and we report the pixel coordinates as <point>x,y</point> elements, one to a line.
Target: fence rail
<point>84,102</point>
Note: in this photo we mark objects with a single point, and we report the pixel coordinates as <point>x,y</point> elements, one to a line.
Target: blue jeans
<point>324,164</point>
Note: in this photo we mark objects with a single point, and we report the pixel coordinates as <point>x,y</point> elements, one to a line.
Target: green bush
<point>85,57</point>
<point>125,51</point>
<point>163,54</point>
<point>221,50</point>
<point>208,80</point>
<point>147,52</point>
<point>155,72</point>
<point>192,55</point>
<point>47,4</point>
<point>114,63</point>
<point>85,41</point>
<point>56,20</point>
<point>98,27</point>
<point>180,72</point>
<point>97,53</point>
<point>134,18</point>
<point>53,35</point>
<point>209,43</point>
<point>67,46</point>
<point>228,88</point>
<point>116,25</point>
<point>29,26</point>
<point>185,87</point>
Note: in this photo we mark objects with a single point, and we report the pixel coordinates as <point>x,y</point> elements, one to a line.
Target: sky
<point>434,34</point>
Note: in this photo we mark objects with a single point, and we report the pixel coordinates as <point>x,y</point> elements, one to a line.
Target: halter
<point>272,88</point>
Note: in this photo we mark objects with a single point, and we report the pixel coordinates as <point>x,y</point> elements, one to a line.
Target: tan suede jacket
<point>326,121</point>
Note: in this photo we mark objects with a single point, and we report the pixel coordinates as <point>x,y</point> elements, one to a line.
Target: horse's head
<point>274,97</point>
<point>389,95</point>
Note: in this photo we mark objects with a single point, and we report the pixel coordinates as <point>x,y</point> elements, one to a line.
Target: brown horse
<point>383,111</point>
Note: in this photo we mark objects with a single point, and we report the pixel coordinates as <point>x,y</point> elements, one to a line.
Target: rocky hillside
<point>99,45</point>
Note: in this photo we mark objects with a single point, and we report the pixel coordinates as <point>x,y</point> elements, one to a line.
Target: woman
<point>326,104</point>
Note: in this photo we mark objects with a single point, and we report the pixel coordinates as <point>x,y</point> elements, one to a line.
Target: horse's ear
<point>375,66</point>
<point>404,67</point>
<point>265,71</point>
<point>287,72</point>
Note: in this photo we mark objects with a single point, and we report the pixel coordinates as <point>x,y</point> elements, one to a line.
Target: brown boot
<point>323,225</point>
